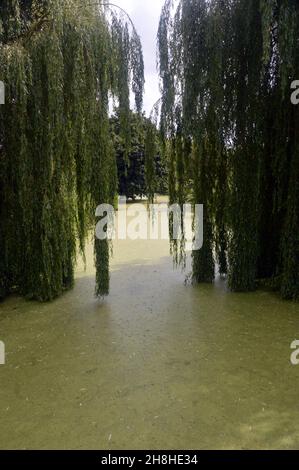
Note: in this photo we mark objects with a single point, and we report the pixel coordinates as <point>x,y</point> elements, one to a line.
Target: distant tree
<point>131,167</point>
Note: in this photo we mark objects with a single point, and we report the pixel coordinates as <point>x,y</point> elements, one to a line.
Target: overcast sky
<point>145,15</point>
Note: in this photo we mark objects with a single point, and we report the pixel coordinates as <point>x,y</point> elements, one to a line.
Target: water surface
<point>156,365</point>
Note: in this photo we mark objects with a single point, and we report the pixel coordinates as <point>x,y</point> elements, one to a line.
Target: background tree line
<point>132,177</point>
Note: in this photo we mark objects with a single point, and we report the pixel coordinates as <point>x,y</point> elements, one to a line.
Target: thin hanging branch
<point>123,11</point>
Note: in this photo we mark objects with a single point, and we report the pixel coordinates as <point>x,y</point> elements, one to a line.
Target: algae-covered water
<point>156,365</point>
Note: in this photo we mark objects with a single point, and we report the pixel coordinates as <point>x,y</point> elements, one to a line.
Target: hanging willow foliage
<point>228,68</point>
<point>59,60</point>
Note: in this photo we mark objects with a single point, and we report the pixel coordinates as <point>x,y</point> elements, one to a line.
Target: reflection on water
<point>156,365</point>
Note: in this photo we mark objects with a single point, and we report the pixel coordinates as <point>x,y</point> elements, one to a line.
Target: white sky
<point>145,15</point>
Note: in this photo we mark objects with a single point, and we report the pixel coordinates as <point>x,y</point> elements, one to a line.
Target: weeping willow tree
<point>226,70</point>
<point>60,61</point>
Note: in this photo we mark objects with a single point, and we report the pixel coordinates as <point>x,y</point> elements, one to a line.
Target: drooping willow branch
<point>57,159</point>
<point>36,27</point>
<point>123,11</point>
<point>225,70</point>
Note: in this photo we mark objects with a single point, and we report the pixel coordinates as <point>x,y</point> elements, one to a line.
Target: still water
<point>156,365</point>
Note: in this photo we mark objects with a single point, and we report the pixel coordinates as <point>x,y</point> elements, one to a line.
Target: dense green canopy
<point>229,132</point>
<point>226,70</point>
<point>60,60</point>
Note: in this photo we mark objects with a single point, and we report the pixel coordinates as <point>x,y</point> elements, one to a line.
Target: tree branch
<point>36,27</point>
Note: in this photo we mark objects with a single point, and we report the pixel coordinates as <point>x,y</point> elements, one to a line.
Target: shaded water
<point>156,365</point>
